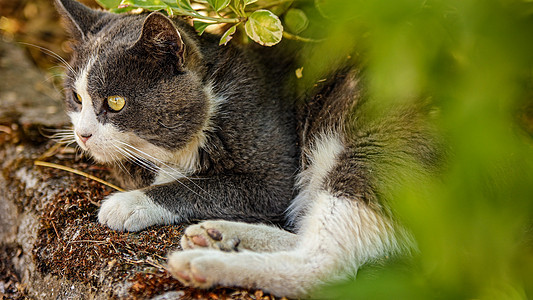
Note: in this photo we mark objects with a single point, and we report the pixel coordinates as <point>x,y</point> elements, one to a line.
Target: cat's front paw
<point>132,211</point>
<point>221,235</point>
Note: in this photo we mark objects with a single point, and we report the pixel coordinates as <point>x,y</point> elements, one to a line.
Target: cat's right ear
<point>79,18</point>
<point>160,39</point>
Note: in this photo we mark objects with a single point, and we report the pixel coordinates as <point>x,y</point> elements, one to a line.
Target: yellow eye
<point>116,103</point>
<point>77,97</point>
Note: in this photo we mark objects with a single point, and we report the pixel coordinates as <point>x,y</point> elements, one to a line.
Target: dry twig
<point>64,168</point>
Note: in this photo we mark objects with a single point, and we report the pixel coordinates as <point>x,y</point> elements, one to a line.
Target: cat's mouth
<point>101,149</point>
<point>81,142</point>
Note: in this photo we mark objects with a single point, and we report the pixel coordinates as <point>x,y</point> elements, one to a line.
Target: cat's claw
<point>132,211</point>
<point>211,234</point>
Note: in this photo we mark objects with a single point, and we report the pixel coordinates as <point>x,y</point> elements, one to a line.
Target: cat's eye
<point>116,103</point>
<point>77,98</point>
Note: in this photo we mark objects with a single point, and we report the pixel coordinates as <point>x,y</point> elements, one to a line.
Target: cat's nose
<point>84,137</point>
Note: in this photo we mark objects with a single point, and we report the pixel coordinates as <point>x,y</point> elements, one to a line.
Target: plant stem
<point>291,36</point>
<point>274,3</point>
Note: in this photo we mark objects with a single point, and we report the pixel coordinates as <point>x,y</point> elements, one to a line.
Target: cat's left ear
<point>160,39</point>
<point>80,19</point>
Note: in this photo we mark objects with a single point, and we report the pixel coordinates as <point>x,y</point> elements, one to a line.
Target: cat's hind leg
<point>337,236</point>
<point>236,236</point>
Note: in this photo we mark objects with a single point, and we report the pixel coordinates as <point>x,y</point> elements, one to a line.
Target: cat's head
<point>132,88</point>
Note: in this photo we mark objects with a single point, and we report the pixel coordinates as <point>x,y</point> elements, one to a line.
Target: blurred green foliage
<point>473,60</point>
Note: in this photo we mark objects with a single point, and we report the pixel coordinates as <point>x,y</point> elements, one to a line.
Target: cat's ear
<point>79,18</point>
<point>160,38</point>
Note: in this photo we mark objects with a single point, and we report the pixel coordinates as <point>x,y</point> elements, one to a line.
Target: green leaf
<point>264,27</point>
<point>200,26</point>
<point>122,9</point>
<point>185,4</point>
<point>228,35</point>
<point>171,3</point>
<point>296,20</point>
<point>146,4</point>
<point>108,4</point>
<point>218,5</point>
<point>246,2</point>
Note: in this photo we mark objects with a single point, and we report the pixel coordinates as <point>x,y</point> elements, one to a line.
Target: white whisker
<point>62,137</point>
<point>141,162</point>
<point>133,151</point>
<point>53,54</point>
<point>118,162</point>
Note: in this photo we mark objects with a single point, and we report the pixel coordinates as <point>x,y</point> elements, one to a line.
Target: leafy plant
<point>258,19</point>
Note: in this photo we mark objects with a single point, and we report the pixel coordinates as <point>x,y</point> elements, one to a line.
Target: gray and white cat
<point>195,130</point>
<point>202,132</point>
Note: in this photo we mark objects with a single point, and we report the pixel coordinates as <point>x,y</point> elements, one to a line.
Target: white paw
<point>219,235</point>
<point>282,273</point>
<point>132,211</point>
<point>197,268</point>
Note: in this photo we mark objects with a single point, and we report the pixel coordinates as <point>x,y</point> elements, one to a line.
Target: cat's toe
<point>132,211</point>
<point>211,234</point>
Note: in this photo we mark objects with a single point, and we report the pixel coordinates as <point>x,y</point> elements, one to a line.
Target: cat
<point>164,108</point>
<point>202,132</point>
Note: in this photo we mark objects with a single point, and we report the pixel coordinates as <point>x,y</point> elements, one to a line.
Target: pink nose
<point>84,137</point>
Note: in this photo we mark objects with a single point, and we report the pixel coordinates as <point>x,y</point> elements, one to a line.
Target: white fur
<point>132,211</point>
<point>237,236</point>
<point>84,121</point>
<point>337,236</point>
<point>322,158</point>
<point>166,175</point>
